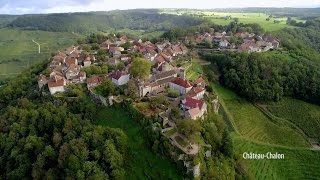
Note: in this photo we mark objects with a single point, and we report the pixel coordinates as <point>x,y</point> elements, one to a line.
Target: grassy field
<point>305,115</point>
<point>297,163</point>
<point>17,51</point>
<point>254,132</point>
<point>194,71</point>
<point>253,125</point>
<point>246,18</point>
<point>143,163</point>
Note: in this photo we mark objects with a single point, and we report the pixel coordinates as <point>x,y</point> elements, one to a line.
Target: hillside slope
<point>145,20</point>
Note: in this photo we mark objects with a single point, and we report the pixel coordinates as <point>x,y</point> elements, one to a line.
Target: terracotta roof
<point>181,82</point>
<point>248,45</point>
<point>70,61</point>
<point>200,80</point>
<point>58,58</point>
<point>177,48</point>
<point>95,79</point>
<point>56,74</point>
<point>62,54</point>
<point>74,54</point>
<point>195,91</point>
<point>56,83</point>
<point>192,103</point>
<point>106,43</point>
<point>159,58</point>
<point>73,68</point>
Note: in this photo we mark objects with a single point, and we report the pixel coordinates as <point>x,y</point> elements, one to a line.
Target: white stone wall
<point>122,80</point>
<point>181,89</point>
<point>54,90</point>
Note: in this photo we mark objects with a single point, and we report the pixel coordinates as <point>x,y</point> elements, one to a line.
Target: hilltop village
<point>153,75</point>
<point>238,42</point>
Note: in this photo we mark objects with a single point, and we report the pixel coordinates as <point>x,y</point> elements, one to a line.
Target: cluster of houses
<point>65,68</point>
<point>250,41</point>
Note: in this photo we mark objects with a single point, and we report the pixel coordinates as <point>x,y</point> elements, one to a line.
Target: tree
<point>236,20</point>
<point>106,88</point>
<point>126,45</point>
<point>173,93</point>
<point>189,128</point>
<point>132,90</point>
<point>104,69</point>
<point>208,44</point>
<point>86,48</point>
<point>120,66</point>
<point>140,68</point>
<point>175,113</point>
<point>95,46</point>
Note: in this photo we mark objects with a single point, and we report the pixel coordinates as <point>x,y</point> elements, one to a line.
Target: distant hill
<point>144,20</point>
<point>6,19</point>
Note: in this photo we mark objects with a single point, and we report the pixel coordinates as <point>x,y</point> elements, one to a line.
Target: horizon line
<point>210,9</point>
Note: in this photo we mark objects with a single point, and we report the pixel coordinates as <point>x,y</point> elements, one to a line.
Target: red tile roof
<point>181,82</point>
<point>70,61</point>
<point>195,91</point>
<point>95,80</point>
<point>192,103</point>
<point>56,83</point>
<point>200,80</point>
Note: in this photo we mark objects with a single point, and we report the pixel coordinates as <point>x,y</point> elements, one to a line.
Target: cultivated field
<point>246,18</point>
<point>17,51</point>
<point>143,162</point>
<point>253,125</point>
<point>297,163</point>
<point>255,132</point>
<point>304,115</point>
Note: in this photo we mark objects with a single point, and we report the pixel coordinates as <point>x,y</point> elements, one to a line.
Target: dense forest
<point>147,20</point>
<point>269,76</point>
<point>46,138</point>
<point>303,38</point>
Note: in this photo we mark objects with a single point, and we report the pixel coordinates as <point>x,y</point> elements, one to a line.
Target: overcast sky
<point>56,6</point>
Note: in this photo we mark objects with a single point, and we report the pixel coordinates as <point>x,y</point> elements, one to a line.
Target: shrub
<point>173,93</point>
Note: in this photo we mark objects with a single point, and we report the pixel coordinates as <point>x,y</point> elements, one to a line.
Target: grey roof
<point>165,81</point>
<point>165,74</point>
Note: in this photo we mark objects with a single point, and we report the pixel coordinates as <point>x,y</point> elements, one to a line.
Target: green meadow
<point>142,163</point>
<point>17,51</point>
<point>246,18</point>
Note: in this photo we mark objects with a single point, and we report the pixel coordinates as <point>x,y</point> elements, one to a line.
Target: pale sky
<point>57,6</point>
